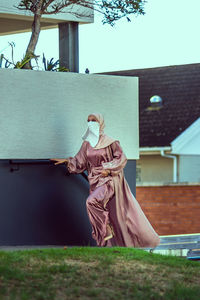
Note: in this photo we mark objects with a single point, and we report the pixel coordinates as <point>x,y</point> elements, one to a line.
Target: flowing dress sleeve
<point>119,160</point>
<point>78,163</point>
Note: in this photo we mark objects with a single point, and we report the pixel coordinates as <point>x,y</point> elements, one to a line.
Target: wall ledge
<point>147,184</point>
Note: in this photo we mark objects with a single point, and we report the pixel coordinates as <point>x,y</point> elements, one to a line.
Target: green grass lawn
<point>96,273</point>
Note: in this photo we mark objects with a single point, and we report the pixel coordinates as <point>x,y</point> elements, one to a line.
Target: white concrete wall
<point>44,114</point>
<point>154,169</point>
<point>189,168</point>
<point>192,147</point>
<point>188,142</point>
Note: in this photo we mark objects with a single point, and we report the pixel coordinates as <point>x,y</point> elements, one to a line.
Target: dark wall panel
<point>40,204</point>
<point>130,175</point>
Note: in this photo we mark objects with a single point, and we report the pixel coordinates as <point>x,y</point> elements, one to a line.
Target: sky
<point>168,34</point>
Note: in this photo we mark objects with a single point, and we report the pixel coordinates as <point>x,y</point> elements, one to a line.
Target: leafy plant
<point>1,60</point>
<point>27,58</point>
<point>4,60</point>
<point>50,65</point>
<point>16,65</point>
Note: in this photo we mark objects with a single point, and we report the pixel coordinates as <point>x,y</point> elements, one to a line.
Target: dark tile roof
<point>179,87</point>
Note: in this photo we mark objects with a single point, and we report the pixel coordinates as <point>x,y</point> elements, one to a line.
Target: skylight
<point>156,99</point>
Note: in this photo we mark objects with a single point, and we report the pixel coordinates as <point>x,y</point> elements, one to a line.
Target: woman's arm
<point>78,163</point>
<point>116,165</point>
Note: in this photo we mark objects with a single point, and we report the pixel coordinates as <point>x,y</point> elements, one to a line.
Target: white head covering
<point>103,140</point>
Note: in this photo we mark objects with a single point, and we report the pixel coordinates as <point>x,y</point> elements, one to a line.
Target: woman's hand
<point>105,173</point>
<point>59,160</point>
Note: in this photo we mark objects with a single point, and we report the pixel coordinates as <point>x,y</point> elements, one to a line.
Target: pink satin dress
<point>111,202</point>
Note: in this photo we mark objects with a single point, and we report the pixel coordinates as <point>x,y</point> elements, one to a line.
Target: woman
<point>114,213</point>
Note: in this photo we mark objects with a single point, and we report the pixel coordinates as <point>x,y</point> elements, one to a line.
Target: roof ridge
<point>152,68</point>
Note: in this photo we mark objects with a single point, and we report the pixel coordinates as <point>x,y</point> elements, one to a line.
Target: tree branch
<point>48,3</point>
<point>112,10</point>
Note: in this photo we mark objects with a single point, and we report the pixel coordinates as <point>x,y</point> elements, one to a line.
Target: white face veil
<point>95,133</point>
<point>92,133</point>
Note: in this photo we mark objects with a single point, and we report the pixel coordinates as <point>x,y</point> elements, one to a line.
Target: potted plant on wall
<point>49,65</point>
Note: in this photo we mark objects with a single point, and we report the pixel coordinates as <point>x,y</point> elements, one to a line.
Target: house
<point>168,171</point>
